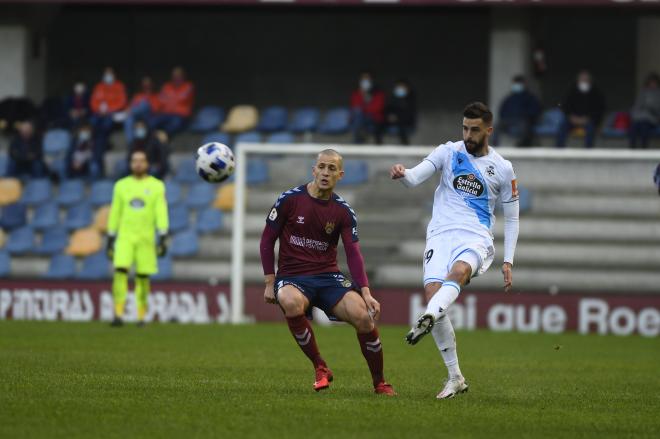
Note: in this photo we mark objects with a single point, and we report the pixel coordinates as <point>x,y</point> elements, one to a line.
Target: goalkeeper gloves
<point>161,248</point>
<point>110,247</point>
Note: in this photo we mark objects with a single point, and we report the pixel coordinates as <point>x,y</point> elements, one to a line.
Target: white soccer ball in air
<point>215,162</point>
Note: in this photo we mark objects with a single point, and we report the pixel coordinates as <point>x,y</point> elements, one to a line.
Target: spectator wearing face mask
<point>518,114</point>
<point>176,101</point>
<point>108,101</point>
<point>76,105</point>
<point>143,105</point>
<point>401,110</point>
<point>645,115</point>
<point>82,159</point>
<point>583,109</point>
<point>367,110</point>
<point>154,145</point>
<point>26,152</point>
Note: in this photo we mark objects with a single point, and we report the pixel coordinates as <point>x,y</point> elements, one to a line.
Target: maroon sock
<point>304,335</point>
<point>373,353</point>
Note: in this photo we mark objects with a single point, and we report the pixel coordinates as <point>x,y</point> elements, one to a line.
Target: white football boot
<point>453,387</point>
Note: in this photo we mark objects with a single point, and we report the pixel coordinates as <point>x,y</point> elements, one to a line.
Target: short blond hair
<point>333,153</point>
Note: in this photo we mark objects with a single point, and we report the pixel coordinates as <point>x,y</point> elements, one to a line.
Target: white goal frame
<point>243,150</point>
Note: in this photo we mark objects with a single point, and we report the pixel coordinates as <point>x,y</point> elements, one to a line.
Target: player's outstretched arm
<point>415,176</point>
<point>267,251</point>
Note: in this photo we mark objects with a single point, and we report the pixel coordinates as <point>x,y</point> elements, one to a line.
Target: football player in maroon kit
<point>308,220</point>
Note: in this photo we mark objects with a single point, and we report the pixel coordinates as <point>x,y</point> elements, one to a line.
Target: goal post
<point>244,152</point>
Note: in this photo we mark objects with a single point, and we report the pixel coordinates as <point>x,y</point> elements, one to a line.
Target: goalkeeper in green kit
<point>138,212</point>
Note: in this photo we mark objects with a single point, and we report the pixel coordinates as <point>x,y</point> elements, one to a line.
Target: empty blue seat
<point>219,137</point>
<point>550,123</point>
<point>70,192</point>
<point>249,137</point>
<point>78,216</point>
<point>207,119</point>
<point>186,172</point>
<point>257,171</point>
<point>305,120</point>
<point>282,137</point>
<point>46,216</point>
<point>61,266</point>
<point>200,195</point>
<point>336,121</point>
<point>56,141</point>
<point>4,164</point>
<point>13,216</point>
<point>273,119</point>
<point>21,241</point>
<point>164,269</point>
<point>609,130</point>
<point>172,192</point>
<point>120,169</point>
<point>525,199</point>
<point>178,215</point>
<point>209,220</point>
<point>184,243</point>
<point>36,191</point>
<point>101,193</point>
<point>5,264</point>
<point>355,172</point>
<point>54,240</point>
<point>95,267</point>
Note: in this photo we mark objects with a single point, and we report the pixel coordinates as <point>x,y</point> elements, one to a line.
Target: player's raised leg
<point>352,309</point>
<point>294,304</point>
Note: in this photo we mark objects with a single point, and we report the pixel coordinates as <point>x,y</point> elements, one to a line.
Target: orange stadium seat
<point>10,191</point>
<point>224,198</point>
<point>84,242</point>
<point>241,118</point>
<point>101,219</point>
<point>3,238</point>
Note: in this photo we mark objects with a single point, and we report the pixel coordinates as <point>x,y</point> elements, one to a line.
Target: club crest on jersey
<point>490,170</point>
<point>301,220</point>
<point>329,227</point>
<point>136,203</point>
<point>469,184</point>
<point>346,283</point>
<point>273,214</point>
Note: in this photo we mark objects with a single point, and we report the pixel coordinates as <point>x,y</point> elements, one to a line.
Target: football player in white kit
<point>459,237</point>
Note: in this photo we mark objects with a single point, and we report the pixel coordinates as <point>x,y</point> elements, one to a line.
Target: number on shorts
<point>428,255</point>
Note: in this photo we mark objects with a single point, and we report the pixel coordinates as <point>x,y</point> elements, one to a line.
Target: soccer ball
<point>215,162</point>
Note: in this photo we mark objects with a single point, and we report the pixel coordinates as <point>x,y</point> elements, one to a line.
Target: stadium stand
<point>13,216</point>
<point>84,242</point>
<point>46,216</point>
<point>172,192</point>
<point>70,192</point>
<point>61,267</point>
<point>36,191</point>
<point>53,240</point>
<point>336,121</point>
<point>249,137</point>
<point>217,137</point>
<point>273,119</point>
<point>78,216</point>
<point>10,191</point>
<point>21,241</point>
<point>5,264</point>
<point>185,171</point>
<point>165,270</point>
<point>550,123</point>
<point>179,218</point>
<point>184,243</point>
<point>224,199</point>
<point>56,142</point>
<point>95,267</point>
<point>304,120</point>
<point>209,220</point>
<point>200,195</point>
<point>101,193</point>
<point>101,218</point>
<point>281,137</point>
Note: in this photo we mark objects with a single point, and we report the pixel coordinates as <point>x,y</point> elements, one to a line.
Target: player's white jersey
<point>469,189</point>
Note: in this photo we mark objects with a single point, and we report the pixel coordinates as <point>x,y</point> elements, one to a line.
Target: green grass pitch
<point>87,380</point>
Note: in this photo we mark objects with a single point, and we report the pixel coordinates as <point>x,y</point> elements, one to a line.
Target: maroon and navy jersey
<point>309,230</point>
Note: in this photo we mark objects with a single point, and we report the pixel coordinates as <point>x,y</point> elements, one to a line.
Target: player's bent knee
<point>292,301</point>
<point>121,270</point>
<point>362,322</point>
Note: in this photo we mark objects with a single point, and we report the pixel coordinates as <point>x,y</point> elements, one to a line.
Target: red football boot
<point>323,378</point>
<point>383,388</point>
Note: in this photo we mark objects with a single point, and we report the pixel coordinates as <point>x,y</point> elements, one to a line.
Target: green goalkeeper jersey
<point>139,209</point>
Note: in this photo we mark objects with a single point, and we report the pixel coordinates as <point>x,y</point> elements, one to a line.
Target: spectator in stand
<point>144,104</point>
<point>367,110</point>
<point>645,115</point>
<point>76,105</point>
<point>401,110</point>
<point>15,110</point>
<point>82,159</point>
<point>26,152</point>
<point>154,145</point>
<point>583,109</point>
<point>518,114</point>
<point>176,102</point>
<point>108,102</point>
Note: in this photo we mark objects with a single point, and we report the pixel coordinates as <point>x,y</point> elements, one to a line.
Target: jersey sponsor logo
<point>514,188</point>
<point>273,214</point>
<point>329,227</point>
<point>308,243</point>
<point>469,184</point>
<point>137,203</point>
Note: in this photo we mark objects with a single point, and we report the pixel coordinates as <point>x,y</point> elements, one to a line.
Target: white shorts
<point>444,249</point>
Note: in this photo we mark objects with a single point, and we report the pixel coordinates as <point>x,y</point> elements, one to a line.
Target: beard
<point>474,147</point>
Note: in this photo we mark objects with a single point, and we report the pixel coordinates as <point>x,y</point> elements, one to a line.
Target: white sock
<point>441,300</point>
<point>445,339</point>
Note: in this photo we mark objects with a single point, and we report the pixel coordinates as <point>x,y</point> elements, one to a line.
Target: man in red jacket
<point>107,102</point>
<point>367,110</point>
<point>176,102</point>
